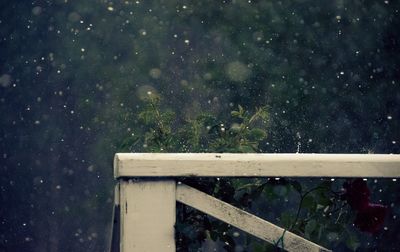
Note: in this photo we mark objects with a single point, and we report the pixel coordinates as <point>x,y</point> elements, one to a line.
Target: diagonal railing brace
<point>243,220</point>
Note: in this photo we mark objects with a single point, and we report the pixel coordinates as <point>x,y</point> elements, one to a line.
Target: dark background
<point>73,75</point>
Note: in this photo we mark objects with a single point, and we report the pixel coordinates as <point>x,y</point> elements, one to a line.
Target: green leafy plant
<point>321,214</point>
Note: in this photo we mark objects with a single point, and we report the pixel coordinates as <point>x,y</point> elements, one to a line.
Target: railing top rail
<point>255,165</point>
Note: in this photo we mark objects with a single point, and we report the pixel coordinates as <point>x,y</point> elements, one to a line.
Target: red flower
<point>356,194</point>
<point>371,218</point>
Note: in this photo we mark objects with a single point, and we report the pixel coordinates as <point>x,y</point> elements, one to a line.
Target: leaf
<point>269,192</point>
<point>280,190</point>
<point>263,113</point>
<point>147,116</point>
<point>309,203</point>
<point>240,113</point>
<point>257,247</point>
<point>246,186</point>
<point>257,134</point>
<point>168,116</point>
<point>214,235</point>
<point>254,194</point>
<point>310,227</point>
<point>128,143</point>
<point>296,185</point>
<point>287,219</point>
<point>235,113</point>
<point>246,149</point>
<point>352,241</point>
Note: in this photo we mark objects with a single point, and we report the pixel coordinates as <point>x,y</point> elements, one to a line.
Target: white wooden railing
<point>146,193</point>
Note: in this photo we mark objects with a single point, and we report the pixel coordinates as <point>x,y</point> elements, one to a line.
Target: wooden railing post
<point>148,213</point>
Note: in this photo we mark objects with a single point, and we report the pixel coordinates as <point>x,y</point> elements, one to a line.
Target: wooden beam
<point>255,165</point>
<point>244,220</point>
<point>147,216</point>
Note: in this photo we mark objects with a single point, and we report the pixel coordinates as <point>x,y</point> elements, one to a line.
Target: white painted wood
<point>243,220</point>
<point>256,165</point>
<point>147,216</point>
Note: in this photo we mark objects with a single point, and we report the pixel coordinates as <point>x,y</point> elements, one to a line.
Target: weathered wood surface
<point>114,243</point>
<point>243,220</point>
<point>148,213</point>
<point>255,165</point>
